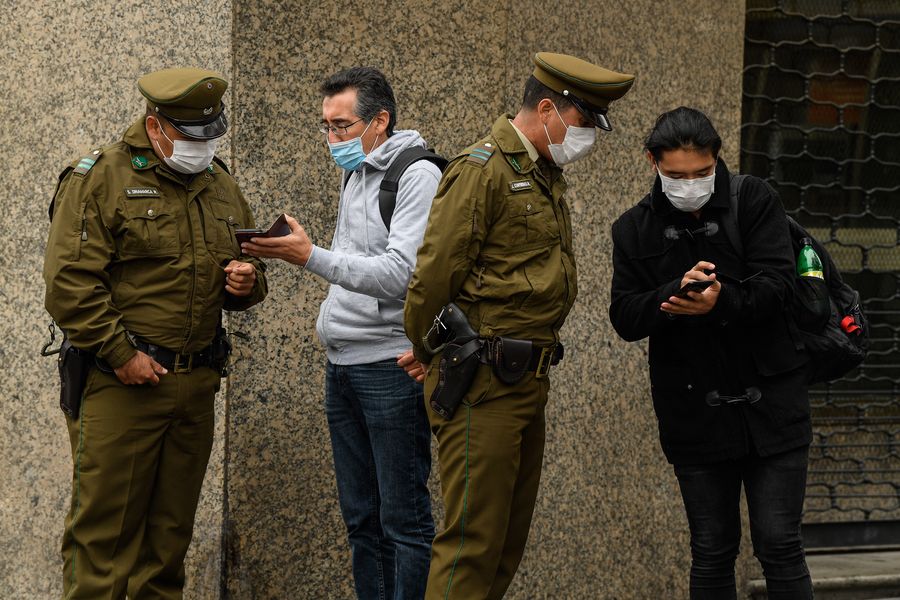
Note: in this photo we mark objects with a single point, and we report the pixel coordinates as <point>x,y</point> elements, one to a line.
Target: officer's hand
<point>140,369</point>
<point>413,368</point>
<point>294,248</point>
<point>240,278</point>
<point>697,303</point>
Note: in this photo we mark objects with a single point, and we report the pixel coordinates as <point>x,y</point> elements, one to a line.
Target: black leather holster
<point>456,370</point>
<point>459,362</point>
<point>74,366</point>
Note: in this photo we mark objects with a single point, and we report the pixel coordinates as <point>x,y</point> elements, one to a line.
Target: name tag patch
<point>142,192</point>
<point>519,186</point>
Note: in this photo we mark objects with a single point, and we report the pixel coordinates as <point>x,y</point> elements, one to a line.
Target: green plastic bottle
<point>808,262</point>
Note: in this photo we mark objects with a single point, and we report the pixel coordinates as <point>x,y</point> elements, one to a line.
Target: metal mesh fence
<point>821,122</point>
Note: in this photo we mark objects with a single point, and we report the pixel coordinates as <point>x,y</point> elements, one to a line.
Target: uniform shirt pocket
<point>531,220</point>
<point>149,229</point>
<point>226,218</point>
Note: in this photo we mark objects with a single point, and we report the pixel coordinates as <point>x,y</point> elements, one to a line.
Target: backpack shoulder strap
<point>387,192</point>
<point>730,222</point>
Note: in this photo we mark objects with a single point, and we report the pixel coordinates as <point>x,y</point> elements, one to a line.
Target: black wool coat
<point>746,341</point>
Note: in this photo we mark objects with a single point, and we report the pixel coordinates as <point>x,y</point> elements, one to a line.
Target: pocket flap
<point>522,206</point>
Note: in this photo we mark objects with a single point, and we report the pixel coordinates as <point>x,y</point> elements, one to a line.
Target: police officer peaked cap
<point>589,87</point>
<point>190,99</point>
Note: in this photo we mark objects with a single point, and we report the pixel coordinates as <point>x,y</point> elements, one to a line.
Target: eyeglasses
<point>340,130</point>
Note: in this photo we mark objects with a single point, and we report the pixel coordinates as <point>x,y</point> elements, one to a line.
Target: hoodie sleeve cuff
<point>320,261</point>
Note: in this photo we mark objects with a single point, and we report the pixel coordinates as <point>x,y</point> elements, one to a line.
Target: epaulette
<point>87,163</point>
<point>481,154</point>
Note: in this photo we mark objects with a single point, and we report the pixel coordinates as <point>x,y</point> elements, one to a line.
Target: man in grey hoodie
<point>376,413</point>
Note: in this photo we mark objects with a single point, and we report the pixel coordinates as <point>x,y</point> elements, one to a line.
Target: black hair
<point>683,128</point>
<point>373,92</point>
<point>535,91</point>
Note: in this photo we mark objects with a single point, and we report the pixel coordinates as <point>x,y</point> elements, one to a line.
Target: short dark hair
<point>535,91</point>
<point>683,128</point>
<point>373,92</point>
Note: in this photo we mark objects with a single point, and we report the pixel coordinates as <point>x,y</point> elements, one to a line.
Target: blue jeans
<point>775,487</point>
<point>382,457</point>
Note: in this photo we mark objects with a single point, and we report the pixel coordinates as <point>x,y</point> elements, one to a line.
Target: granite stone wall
<point>609,522</point>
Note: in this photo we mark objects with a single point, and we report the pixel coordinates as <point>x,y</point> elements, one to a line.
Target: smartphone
<point>279,228</point>
<point>693,286</point>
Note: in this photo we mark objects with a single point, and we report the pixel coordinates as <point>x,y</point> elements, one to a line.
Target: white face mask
<point>189,157</point>
<point>688,195</point>
<point>576,144</point>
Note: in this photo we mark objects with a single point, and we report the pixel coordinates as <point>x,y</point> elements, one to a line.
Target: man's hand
<point>697,303</point>
<point>140,369</point>
<point>413,368</point>
<point>294,248</point>
<point>240,278</point>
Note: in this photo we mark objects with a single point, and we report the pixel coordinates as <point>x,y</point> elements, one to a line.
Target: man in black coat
<point>727,378</point>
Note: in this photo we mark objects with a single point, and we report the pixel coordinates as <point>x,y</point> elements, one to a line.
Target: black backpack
<point>387,191</point>
<point>820,306</point>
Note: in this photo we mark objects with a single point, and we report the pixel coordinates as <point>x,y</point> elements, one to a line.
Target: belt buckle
<point>180,366</point>
<point>544,362</point>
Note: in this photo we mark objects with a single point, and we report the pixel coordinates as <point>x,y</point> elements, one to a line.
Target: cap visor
<point>596,116</point>
<point>602,121</point>
<point>202,131</point>
<point>599,119</point>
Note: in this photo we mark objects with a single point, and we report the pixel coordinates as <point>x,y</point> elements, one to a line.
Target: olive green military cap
<point>190,99</point>
<point>589,87</point>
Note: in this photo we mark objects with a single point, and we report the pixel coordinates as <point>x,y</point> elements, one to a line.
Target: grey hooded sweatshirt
<point>361,320</point>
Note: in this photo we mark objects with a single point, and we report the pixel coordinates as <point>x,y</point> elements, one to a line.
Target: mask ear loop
<point>162,131</point>
<point>363,148</point>
<point>547,133</point>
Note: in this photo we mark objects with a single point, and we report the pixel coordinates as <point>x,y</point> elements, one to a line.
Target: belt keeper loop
<point>545,362</point>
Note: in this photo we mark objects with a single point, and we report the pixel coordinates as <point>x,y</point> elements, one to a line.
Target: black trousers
<point>775,487</point>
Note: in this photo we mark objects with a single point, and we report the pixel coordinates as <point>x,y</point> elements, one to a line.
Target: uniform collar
<point>720,198</point>
<point>510,143</point>
<point>142,155</point>
<point>529,147</point>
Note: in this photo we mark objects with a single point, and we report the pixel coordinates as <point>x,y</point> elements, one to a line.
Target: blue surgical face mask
<point>349,154</point>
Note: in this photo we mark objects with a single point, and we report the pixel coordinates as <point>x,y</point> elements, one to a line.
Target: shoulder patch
<point>87,163</point>
<point>481,154</point>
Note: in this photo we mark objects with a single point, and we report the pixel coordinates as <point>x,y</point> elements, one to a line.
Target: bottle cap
<point>849,325</point>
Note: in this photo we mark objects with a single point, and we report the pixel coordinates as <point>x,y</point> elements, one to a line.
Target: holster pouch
<point>74,366</point>
<point>510,358</point>
<point>456,370</point>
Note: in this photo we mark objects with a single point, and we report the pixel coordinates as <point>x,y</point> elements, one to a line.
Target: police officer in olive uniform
<point>499,245</point>
<point>141,260</point>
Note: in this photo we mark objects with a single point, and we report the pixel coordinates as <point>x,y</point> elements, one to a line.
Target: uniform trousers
<point>490,456</point>
<point>139,457</point>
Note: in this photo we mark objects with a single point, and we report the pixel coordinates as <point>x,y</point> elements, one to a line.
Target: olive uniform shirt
<point>498,243</point>
<point>137,247</point>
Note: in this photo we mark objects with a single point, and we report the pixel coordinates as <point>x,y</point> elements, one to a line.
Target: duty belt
<point>175,361</point>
